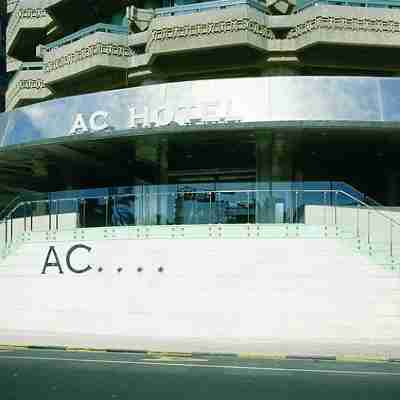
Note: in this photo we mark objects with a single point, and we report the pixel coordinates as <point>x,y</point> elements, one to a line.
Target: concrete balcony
<point>84,12</point>
<point>27,86</point>
<point>343,36</point>
<point>222,34</point>
<point>100,51</point>
<point>26,28</point>
<point>210,25</point>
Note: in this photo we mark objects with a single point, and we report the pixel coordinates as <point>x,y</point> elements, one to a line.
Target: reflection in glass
<point>123,210</point>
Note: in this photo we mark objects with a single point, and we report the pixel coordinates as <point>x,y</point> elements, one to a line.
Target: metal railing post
<point>335,208</point>
<point>57,213</point>
<point>31,216</point>
<point>24,217</point>
<point>106,213</point>
<point>209,208</point>
<point>391,239</point>
<point>83,204</point>
<point>325,209</point>
<point>358,221</point>
<point>11,228</point>
<point>142,208</point>
<point>248,207</point>
<point>49,207</point>
<point>296,213</point>
<point>77,214</point>
<point>368,227</point>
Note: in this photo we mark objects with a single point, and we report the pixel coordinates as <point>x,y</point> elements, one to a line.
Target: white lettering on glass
<point>79,125</point>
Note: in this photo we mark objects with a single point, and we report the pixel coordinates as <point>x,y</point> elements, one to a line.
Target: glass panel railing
<point>66,213</point>
<point>40,215</point>
<point>378,232</point>
<point>94,212</point>
<point>168,205</point>
<point>231,207</point>
<point>124,210</point>
<point>194,208</point>
<point>151,206</point>
<point>99,27</point>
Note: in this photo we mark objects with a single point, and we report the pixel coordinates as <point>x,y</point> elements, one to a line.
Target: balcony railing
<point>352,3</point>
<point>26,66</point>
<point>28,76</point>
<point>208,5</point>
<point>100,27</point>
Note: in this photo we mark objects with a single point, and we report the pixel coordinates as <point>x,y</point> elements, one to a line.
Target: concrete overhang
<point>26,87</point>
<point>84,12</point>
<point>25,30</point>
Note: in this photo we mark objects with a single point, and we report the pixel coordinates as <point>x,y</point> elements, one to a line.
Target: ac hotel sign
<point>184,115</point>
<point>207,103</point>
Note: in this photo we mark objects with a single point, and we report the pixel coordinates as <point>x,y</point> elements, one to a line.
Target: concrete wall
<point>294,295</point>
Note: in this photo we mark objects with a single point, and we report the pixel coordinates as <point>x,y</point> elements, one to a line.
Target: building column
<point>392,187</point>
<point>263,198</point>
<point>275,163</point>
<point>162,203</point>
<point>155,202</point>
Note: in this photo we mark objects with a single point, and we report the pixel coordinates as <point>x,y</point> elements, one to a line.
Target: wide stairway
<point>325,286</point>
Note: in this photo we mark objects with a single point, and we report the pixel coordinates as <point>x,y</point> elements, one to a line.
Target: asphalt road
<point>59,375</point>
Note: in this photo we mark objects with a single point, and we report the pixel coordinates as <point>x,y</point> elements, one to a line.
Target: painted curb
<point>362,359</point>
<point>188,355</point>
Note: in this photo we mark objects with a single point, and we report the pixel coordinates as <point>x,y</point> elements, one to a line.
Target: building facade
<point>202,175</point>
<point>130,47</point>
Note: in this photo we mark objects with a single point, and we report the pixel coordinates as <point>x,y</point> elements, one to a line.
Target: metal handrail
<point>4,214</point>
<point>207,5</point>
<point>294,201</point>
<point>220,210</point>
<point>356,3</point>
<point>370,207</point>
<point>303,190</point>
<point>204,192</point>
<point>99,27</point>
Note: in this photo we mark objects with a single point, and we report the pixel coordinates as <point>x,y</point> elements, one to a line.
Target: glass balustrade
<point>312,203</point>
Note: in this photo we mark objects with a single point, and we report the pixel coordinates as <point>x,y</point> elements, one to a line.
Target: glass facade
<point>241,103</point>
<point>253,134</point>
